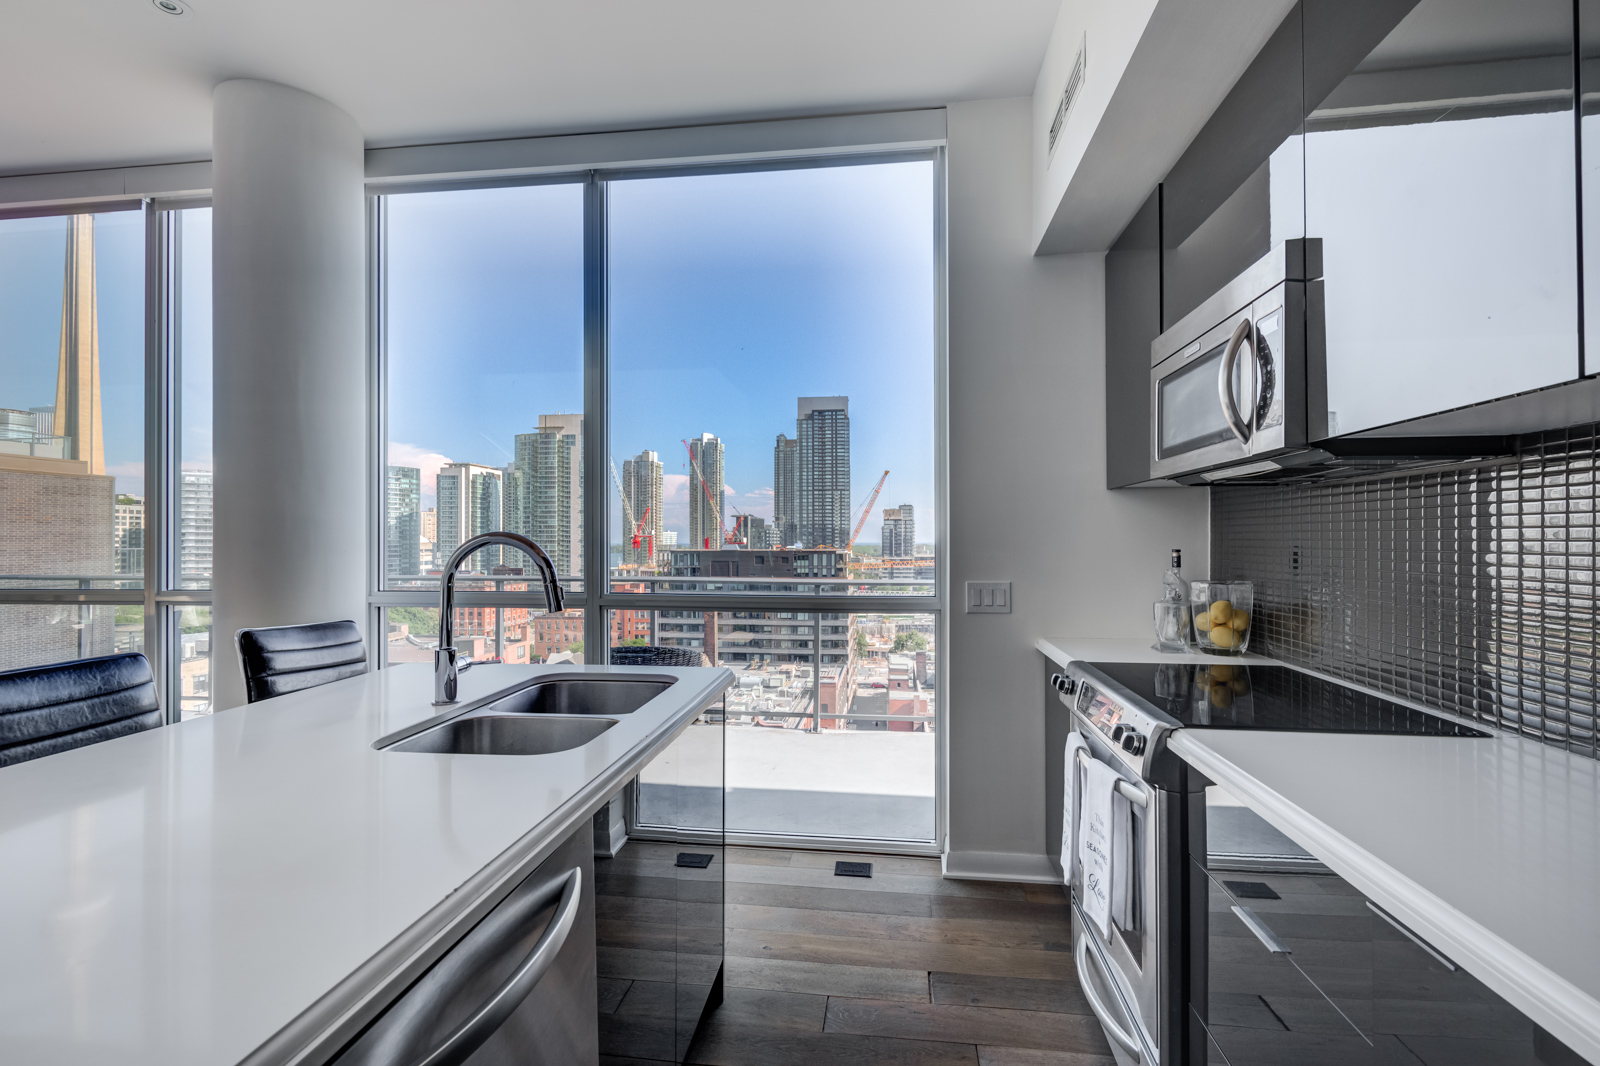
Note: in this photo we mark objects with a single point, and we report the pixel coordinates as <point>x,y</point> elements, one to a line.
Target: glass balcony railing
<point>831,721</point>
<point>728,586</point>
<point>56,582</point>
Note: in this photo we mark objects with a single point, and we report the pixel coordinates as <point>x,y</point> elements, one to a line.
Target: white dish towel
<point>1070,806</point>
<point>1104,837</point>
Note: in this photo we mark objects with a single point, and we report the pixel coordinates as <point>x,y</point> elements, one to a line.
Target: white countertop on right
<point>1490,849</point>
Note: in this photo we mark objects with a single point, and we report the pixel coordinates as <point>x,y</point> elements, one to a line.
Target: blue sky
<point>32,268</point>
<point>731,295</point>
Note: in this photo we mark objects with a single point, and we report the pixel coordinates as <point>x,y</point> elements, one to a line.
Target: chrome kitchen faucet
<point>445,668</point>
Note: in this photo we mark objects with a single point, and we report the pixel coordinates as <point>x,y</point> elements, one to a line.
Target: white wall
<point>1028,501</point>
<point>290,375</point>
<point>1108,34</point>
<point>1155,71</point>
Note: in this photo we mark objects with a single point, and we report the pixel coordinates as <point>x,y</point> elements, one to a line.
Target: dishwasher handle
<point>397,1043</point>
<point>481,1025</point>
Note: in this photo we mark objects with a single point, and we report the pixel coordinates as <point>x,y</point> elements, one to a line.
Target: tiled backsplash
<point>1470,588</point>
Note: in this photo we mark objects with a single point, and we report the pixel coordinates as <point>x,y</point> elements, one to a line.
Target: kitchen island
<point>245,886</point>
<point>1488,849</point>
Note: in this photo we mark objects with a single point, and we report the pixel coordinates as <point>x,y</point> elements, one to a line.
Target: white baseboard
<point>1023,866</point>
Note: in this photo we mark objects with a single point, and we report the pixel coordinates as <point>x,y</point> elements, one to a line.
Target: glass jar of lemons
<point>1223,612</point>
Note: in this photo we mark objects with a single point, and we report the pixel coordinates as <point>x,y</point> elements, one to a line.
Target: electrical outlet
<point>988,597</point>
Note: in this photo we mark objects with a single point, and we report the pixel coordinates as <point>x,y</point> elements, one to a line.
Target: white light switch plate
<point>988,597</point>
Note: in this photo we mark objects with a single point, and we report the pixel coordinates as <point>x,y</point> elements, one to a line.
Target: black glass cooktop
<point>1228,696</point>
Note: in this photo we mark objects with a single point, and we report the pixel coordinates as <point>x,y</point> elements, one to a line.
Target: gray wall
<point>1028,501</point>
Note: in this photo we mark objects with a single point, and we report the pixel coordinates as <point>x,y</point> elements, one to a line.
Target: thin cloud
<point>401,454</point>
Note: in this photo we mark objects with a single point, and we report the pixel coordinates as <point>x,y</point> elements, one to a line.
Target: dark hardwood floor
<point>906,968</point>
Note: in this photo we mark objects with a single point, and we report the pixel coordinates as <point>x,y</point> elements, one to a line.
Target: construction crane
<point>639,534</point>
<point>728,536</point>
<point>867,510</point>
<point>627,508</point>
<point>627,511</point>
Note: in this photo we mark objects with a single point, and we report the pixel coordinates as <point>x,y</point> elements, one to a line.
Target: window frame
<point>159,600</point>
<point>597,599</point>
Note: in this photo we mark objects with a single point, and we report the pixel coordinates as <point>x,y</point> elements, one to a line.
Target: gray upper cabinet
<point>1440,175</point>
<point>1589,75</point>
<point>1133,320</point>
<point>1237,190</point>
<point>1432,148</point>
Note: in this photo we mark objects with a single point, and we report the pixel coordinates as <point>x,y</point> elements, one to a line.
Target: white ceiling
<point>112,82</point>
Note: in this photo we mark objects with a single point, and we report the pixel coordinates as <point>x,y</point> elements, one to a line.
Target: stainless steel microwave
<point>1228,381</point>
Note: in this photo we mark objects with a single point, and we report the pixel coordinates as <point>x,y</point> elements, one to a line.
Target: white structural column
<point>288,275</point>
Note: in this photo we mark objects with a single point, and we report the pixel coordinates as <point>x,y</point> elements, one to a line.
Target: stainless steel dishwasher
<point>518,988</point>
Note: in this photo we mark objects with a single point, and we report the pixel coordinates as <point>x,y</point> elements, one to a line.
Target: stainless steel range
<point>1147,983</point>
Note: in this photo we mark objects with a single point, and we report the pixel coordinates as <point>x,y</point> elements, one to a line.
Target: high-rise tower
<point>77,412</point>
<point>641,484</point>
<point>469,500</point>
<point>549,487</point>
<point>786,490</point>
<point>403,522</point>
<point>705,500</point>
<point>823,426</point>
<point>899,532</point>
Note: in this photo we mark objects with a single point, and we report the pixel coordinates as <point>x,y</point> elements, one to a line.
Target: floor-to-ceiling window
<point>773,369</point>
<point>720,387</point>
<point>186,570</point>
<point>482,330</point>
<point>91,347</point>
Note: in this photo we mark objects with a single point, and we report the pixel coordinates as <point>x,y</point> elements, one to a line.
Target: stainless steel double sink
<point>539,717</point>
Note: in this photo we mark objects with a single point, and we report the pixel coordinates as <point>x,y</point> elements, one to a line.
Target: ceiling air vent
<point>1069,95</point>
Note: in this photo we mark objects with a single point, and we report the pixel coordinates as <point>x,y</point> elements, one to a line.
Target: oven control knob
<point>1117,733</point>
<point>1063,684</point>
<point>1133,743</point>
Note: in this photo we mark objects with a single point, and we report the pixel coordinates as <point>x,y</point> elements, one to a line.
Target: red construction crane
<point>728,537</point>
<point>639,535</point>
<point>867,510</point>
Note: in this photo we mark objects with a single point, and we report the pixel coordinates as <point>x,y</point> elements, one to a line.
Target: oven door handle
<point>1118,1035</point>
<point>1132,793</point>
<point>1242,427</point>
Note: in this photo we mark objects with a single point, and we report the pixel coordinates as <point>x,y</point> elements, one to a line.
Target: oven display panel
<point>1104,713</point>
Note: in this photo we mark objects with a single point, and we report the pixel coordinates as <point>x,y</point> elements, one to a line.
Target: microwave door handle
<point>1242,333</point>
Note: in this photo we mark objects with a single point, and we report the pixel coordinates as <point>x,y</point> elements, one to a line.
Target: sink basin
<point>503,734</point>
<point>580,695</point>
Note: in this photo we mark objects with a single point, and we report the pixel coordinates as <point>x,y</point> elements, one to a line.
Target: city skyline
<point>539,493</point>
<point>731,295</point>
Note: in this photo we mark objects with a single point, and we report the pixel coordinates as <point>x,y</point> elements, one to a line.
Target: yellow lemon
<point>1240,685</point>
<point>1221,696</point>
<point>1222,673</point>
<point>1240,620</point>
<point>1221,612</point>
<point>1202,620</point>
<point>1223,637</point>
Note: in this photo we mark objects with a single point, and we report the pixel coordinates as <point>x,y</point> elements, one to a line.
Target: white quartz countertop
<point>1489,849</point>
<point>177,897</point>
<point>1063,650</point>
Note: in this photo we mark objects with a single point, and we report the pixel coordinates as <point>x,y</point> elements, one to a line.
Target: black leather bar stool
<point>281,659</point>
<point>655,655</point>
<point>46,709</point>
